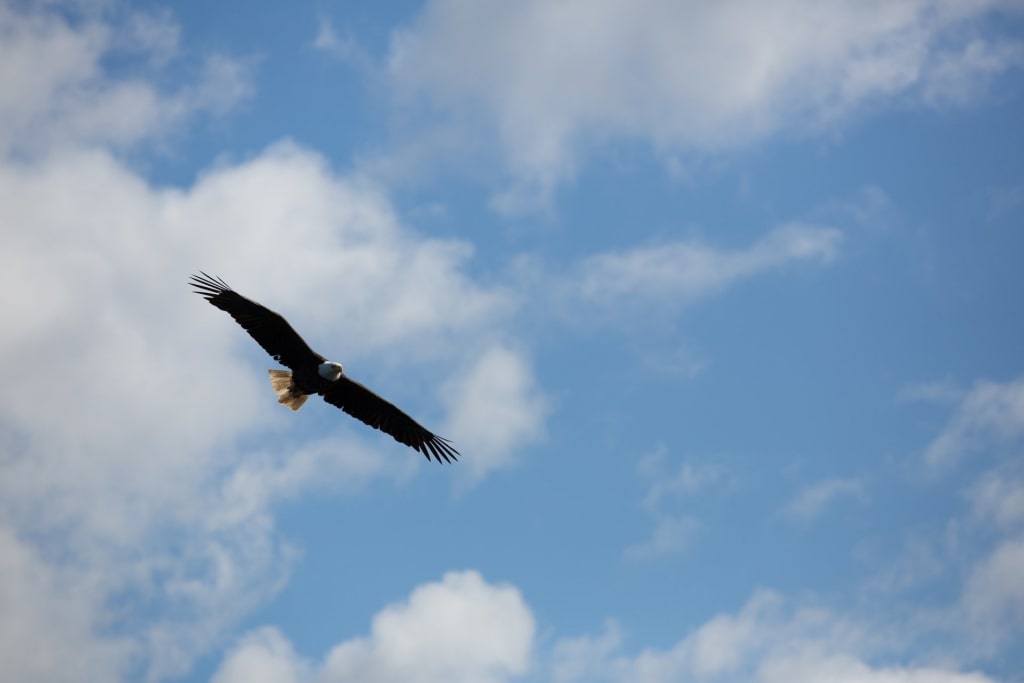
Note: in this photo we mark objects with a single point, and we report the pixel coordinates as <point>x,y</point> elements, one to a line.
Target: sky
<point>721,304</point>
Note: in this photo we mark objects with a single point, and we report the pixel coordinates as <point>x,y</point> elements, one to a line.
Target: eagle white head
<point>330,370</point>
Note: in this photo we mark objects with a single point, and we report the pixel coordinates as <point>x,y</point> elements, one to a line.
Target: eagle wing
<point>269,329</point>
<point>368,407</point>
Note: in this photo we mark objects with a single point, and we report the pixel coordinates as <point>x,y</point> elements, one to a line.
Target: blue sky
<point>720,303</point>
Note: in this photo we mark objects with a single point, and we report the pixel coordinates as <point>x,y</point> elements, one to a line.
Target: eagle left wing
<point>371,409</point>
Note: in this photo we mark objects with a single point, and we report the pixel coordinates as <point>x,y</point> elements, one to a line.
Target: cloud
<point>146,480</point>
<point>263,656</point>
<point>54,91</point>
<point>684,76</point>
<point>460,629</point>
<point>345,48</point>
<point>673,531</point>
<point>497,408</point>
<point>993,596</point>
<point>769,640</point>
<point>685,271</point>
<point>47,626</point>
<point>608,285</point>
<point>141,450</point>
<point>687,480</point>
<point>463,628</point>
<point>671,535</point>
<point>937,391</point>
<point>990,414</point>
<point>999,497</point>
<point>809,503</point>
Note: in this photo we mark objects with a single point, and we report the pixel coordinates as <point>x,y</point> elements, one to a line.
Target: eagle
<point>310,373</point>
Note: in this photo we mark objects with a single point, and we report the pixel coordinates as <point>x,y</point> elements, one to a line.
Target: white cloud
<point>461,629</point>
<point>990,414</point>
<point>263,656</point>
<point>137,469</point>
<point>617,285</point>
<point>496,407</point>
<point>550,79</point>
<point>681,272</point>
<point>47,624</point>
<point>809,503</point>
<point>54,91</point>
<point>767,641</point>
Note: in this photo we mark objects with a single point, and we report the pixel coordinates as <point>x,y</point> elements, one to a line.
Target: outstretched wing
<point>269,329</point>
<point>368,407</point>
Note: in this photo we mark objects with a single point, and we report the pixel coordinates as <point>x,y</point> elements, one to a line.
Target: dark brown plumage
<point>311,373</point>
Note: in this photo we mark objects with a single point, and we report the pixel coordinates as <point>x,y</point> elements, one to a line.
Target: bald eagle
<point>311,373</point>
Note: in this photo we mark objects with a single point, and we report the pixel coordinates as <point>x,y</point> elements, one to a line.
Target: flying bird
<point>310,373</point>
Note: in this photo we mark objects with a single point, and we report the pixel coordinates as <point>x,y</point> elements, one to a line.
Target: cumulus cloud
<point>989,415</point>
<point>145,452</point>
<point>263,656</point>
<point>496,407</point>
<point>460,629</point>
<point>463,628</point>
<point>688,76</point>
<point>139,439</point>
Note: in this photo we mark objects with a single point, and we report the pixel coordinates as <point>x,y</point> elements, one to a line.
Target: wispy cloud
<point>687,480</point>
<point>343,47</point>
<point>993,597</point>
<point>764,68</point>
<point>677,273</point>
<point>671,535</point>
<point>688,270</point>
<point>998,496</point>
<point>991,413</point>
<point>937,391</point>
<point>675,529</point>
<point>812,500</point>
<point>54,91</point>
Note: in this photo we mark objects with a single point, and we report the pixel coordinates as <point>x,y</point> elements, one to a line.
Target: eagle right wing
<point>269,329</point>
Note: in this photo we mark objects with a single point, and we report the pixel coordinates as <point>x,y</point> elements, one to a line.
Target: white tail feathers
<point>287,393</point>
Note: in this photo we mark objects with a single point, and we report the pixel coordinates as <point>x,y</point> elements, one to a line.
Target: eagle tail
<point>287,393</point>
